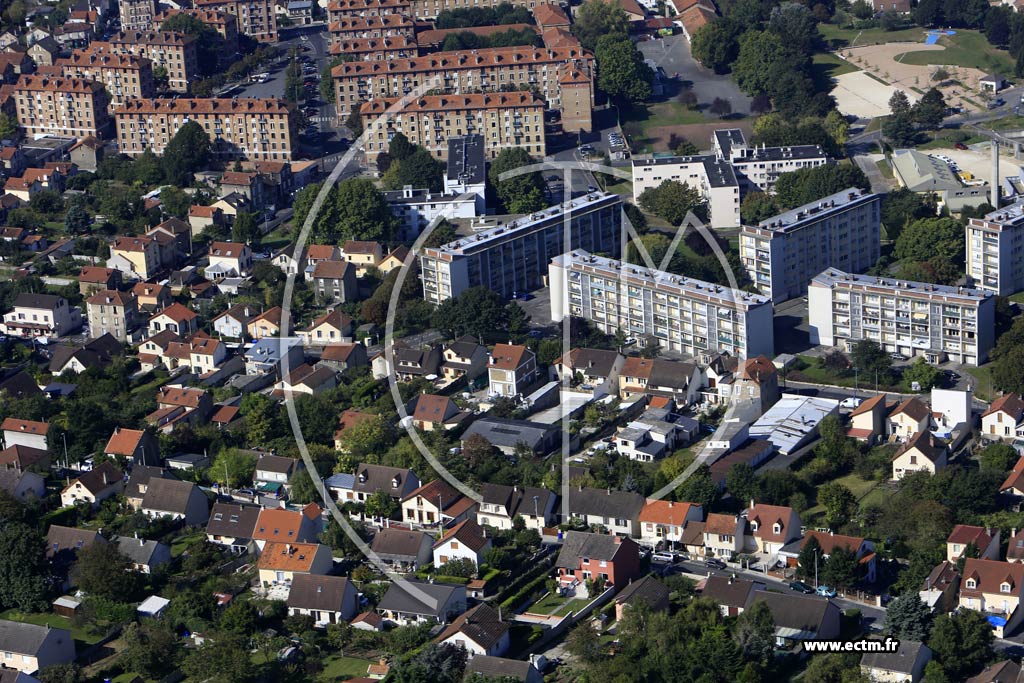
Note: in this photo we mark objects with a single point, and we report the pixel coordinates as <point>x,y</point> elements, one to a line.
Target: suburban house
<point>134,446</point>
<point>333,327</point>
<point>863,550</point>
<point>479,631</point>
<point>403,549</point>
<point>1014,483</point>
<point>411,602</point>
<point>138,483</point>
<point>24,458</point>
<point>941,589</point>
<point>772,526</point>
<point>730,593</point>
<point>397,482</point>
<point>509,435</point>
<point>906,665</point>
<point>465,357</point>
<point>25,433</point>
<point>342,357</point>
<point>41,315</point>
<point>92,279</point>
<point>655,433</point>
<point>994,588</point>
<point>288,526</point>
<point>467,540</point>
<point>22,483</point>
<point>269,355</point>
<point>281,562</point>
<point>409,363</point>
<point>511,370</point>
<point>178,405</point>
<point>233,323</point>
<point>595,370</point>
<point>909,417</point>
<point>799,617</point>
<point>177,318</point>
<point>93,487</point>
<point>144,555</point>
<point>985,542</point>
<point>138,258</point>
<point>868,420</point>
<point>677,380</point>
<point>266,324</point>
<point>63,544</point>
<point>436,502</point>
<point>29,648</point>
<point>922,452</point>
<point>152,297</point>
<point>275,469</point>
<point>228,259</point>
<point>233,526</point>
<point>1003,418</point>
<point>663,521</point>
<point>431,411</point>
<point>175,499</point>
<point>500,505</point>
<point>334,282</point>
<point>618,511</point>
<point>328,599</point>
<point>647,591</point>
<point>518,670</point>
<point>586,556</point>
<point>362,255</point>
<point>348,419</point>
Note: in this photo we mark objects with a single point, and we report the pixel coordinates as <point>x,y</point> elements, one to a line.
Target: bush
<point>526,592</point>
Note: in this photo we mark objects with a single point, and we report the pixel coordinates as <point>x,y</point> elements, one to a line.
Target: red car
<point>960,145</point>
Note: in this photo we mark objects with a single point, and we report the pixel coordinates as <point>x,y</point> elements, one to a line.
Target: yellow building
<point>174,52</point>
<point>256,18</point>
<point>125,76</point>
<point>61,106</point>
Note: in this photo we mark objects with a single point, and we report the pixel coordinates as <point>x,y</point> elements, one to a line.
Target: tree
<point>762,57</point>
<point>174,201</point>
<point>720,107</point>
<point>835,668</point>
<point>807,562</point>
<point>622,72</point>
<point>223,659</point>
<point>233,467</point>
<point>419,169</point>
<point>23,568</point>
<point>400,148</point>
<point>962,643</point>
<point>862,9</point>
<point>930,109</point>
<point>303,204</point>
<point>302,490</point>
<point>8,127</point>
<point>381,505</point>
<point>758,206</point>
<point>755,633</point>
<point>869,357</point>
<point>699,488</point>
<point>671,200</point>
<point>899,207</point>
<point>841,569</point>
<point>807,185</point>
<point>76,220</point>
<point>103,571</point>
<point>925,238</point>
<point>908,617</point>
<point>595,20</point>
<point>149,648</point>
<point>367,437</point>
<point>899,103</point>
<point>899,130</point>
<point>998,457</point>
<point>187,152</point>
<point>245,229</point>
<point>997,25</point>
<point>715,45</point>
<point>741,482</point>
<point>839,502</point>
<point>923,373</point>
<point>795,24</point>
<point>521,193</point>
<point>583,642</point>
<point>478,311</point>
<point>60,673</point>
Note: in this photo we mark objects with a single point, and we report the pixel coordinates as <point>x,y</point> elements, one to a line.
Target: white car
<point>850,402</point>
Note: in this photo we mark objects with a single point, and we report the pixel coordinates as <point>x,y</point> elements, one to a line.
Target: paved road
<point>673,55</point>
<point>869,164</point>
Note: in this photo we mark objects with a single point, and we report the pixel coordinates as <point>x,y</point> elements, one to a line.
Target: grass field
<point>984,389</point>
<point>848,37</point>
<point>81,637</point>
<point>966,48</point>
<point>182,543</point>
<point>343,668</point>
<point>826,66</point>
<point>884,168</point>
<point>552,603</point>
<point>859,487</point>
<point>660,115</point>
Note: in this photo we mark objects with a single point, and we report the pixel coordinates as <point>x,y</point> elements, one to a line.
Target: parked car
<point>714,563</point>
<point>664,556</point>
<point>897,356</point>
<point>801,587</point>
<point>960,145</point>
<point>826,591</point>
<point>850,402</point>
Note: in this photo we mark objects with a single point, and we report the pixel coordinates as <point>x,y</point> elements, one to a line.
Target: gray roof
<point>342,480</point>
<point>464,346</point>
<point>398,544</point>
<point>60,538</point>
<point>15,676</point>
<point>791,611</point>
<point>579,544</point>
<point>647,590</point>
<point>30,300</point>
<point>921,172</point>
<point>592,362</point>
<point>482,624</point>
<point>10,479</point>
<point>605,503</point>
<point>22,638</point>
<point>140,476</point>
<point>398,599</point>
<point>168,495</point>
<point>373,478</point>
<point>237,521</point>
<point>310,591</point>
<point>499,667</point>
<point>901,661</point>
<point>466,159</point>
<point>509,433</point>
<point>730,592</point>
<point>138,550</point>
<point>516,500</point>
<point>276,463</point>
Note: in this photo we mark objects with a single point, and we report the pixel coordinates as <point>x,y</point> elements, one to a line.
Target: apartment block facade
<point>995,250</point>
<point>175,52</point>
<point>376,49</point>
<point>137,15</point>
<point>125,76</point>
<point>61,106</point>
<point>429,9</point>
<point>373,26</point>
<point>365,8</point>
<point>514,257</point>
<point>757,168</point>
<point>241,128</point>
<point>683,314</point>
<point>256,18</point>
<point>504,120</point>
<point>782,254</point>
<point>713,177</point>
<point>461,72</point>
<point>910,318</point>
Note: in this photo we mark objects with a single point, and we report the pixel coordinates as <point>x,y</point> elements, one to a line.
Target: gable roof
<point>168,495</point>
<point>926,444</point>
<point>433,408</point>
<point>1011,404</point>
<point>964,535</point>
<point>237,521</point>
<point>399,599</point>
<point>60,538</point>
<point>140,477</point>
<point>914,408</point>
<point>278,525</point>
<point>177,312</point>
<point>802,613</point>
<point>21,457</point>
<point>372,478</point>
<point>468,533</point>
<point>666,512</point>
<point>13,424</point>
<point>868,405</point>
<point>27,639</point>
<point>482,625</point>
<point>593,362</point>
<point>903,660</point>
<point>289,557</point>
<point>766,516</point>
<point>647,590</point>
<point>138,550</point>
<point>1015,479</point>
<point>276,463</point>
<point>336,318</point>
<point>580,544</point>
<point>434,491</point>
<point>829,542</point>
<point>395,543</point>
<point>124,441</point>
<point>757,369</point>
<point>605,503</point>
<point>312,591</point>
<point>517,500</point>
<point>501,667</point>
<point>509,356</point>
<point>729,591</point>
<point>100,478</point>
<point>989,575</point>
<point>330,270</point>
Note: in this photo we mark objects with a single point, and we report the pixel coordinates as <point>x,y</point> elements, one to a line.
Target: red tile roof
<point>509,356</point>
<point>666,512</point>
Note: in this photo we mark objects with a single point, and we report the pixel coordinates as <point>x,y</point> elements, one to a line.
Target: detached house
<point>334,281</point>
<point>465,357</point>
<point>362,255</point>
<point>276,469</point>
<point>595,370</point>
<point>342,357</point>
<point>92,279</point>
<point>30,433</point>
<point>863,550</point>
<point>228,259</point>
<point>724,535</point>
<point>94,486</point>
<point>585,556</point>
<point>281,562</point>
<point>868,420</point>
<point>1014,484</point>
<point>467,540</point>
<point>663,521</point>
<point>909,418</point>
<point>29,648</point>
<point>436,503</point>
<point>41,315</point>
<point>677,380</point>
<point>500,506</point>
<point>405,550</point>
<point>328,599</point>
<point>233,526</point>
<point>144,555</point>
<point>730,594</point>
<point>799,617</point>
<point>1004,418</point>
<point>772,526</point>
<point>963,536</point>
<point>333,327</point>
<point>233,322</point>
<point>266,324</point>
<point>480,631</point>
<point>923,452</point>
<point>134,446</point>
<point>511,370</point>
<point>411,602</point>
<point>138,483</point>
<point>409,363</point>
<point>397,482</point>
<point>176,318</point>
<point>288,526</point>
<point>114,313</point>
<point>906,665</point>
<point>618,511</point>
<point>431,411</point>
<point>175,499</point>
<point>994,588</point>
<point>180,406</point>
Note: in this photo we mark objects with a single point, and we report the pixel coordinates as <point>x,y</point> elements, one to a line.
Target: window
<point>971,583</point>
<point>1004,587</point>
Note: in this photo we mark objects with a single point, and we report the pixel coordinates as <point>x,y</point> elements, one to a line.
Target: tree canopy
<point>519,194</point>
<point>671,200</point>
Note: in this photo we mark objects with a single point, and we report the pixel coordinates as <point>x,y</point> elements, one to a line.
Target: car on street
<point>850,402</point>
<point>664,557</point>
<point>897,356</point>
<point>826,591</point>
<point>951,375</point>
<point>714,563</point>
<point>801,587</point>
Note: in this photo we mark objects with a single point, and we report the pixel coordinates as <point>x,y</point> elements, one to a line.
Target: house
<point>1006,671</point>
<point>15,676</point>
<point>92,279</point>
<point>269,355</point>
<point>362,255</point>
<point>647,591</point>
<point>436,502</point>
<point>95,353</point>
<point>618,511</point>
<point>409,602</point>
<point>520,671</point>
<point>176,318</point>
<point>511,370</point>
<point>266,324</point>
<point>180,405</point>
<point>410,363</point>
<point>25,458</point>
<point>29,648</point>
<point>94,486</point>
<point>30,433</point>
<point>288,526</point>
<point>280,562</point>
<point>289,260</point>
<point>179,500</point>
<point>202,217</point>
<point>654,434</point>
<point>152,297</point>
<point>1014,484</point>
<point>464,357</point>
<point>144,555</point>
<point>588,557</point>
<point>22,484</point>
<point>467,540</point>
<point>187,461</point>
<point>318,253</point>
<point>347,420</point>
<point>306,379</point>
<point>233,526</point>
<point>799,617</point>
<point>756,381</point>
<point>500,505</point>
<point>397,482</point>
<point>276,469</point>
<point>510,436</point>
<point>941,589</point>
<point>992,83</point>
<point>772,526</point>
<point>676,380</point>
<point>663,521</point>
<point>41,315</point>
<point>114,313</point>
<point>905,664</point>
<point>898,6</point>
<point>133,445</point>
<point>868,420</point>
<point>863,551</point>
<point>923,452</point>
<point>479,631</point>
<point>138,258</point>
<point>234,322</point>
<point>342,357</point>
<point>138,483</point>
<point>328,599</point>
<point>431,411</point>
<point>395,259</point>
<point>985,542</point>
<point>405,550</point>
<point>910,417</point>
<point>731,594</point>
<point>368,621</point>
<point>63,544</point>
<point>594,370</point>
<point>1003,418</point>
<point>334,281</point>
<point>228,259</point>
<point>333,327</point>
<point>994,588</point>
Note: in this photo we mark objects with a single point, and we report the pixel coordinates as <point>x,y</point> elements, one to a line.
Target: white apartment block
<point>757,168</point>
<point>513,257</point>
<point>995,250</point>
<point>910,318</point>
<point>711,176</point>
<point>783,253</point>
<point>684,315</point>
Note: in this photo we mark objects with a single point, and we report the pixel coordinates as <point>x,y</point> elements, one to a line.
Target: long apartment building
<point>241,128</point>
<point>782,254</point>
<point>373,26</point>
<point>463,72</point>
<point>713,177</point>
<point>61,106</point>
<point>224,23</point>
<point>125,76</point>
<point>514,257</point>
<point>909,318</point>
<point>683,314</point>
<point>505,120</point>
<point>174,52</point>
<point>376,49</point>
<point>137,15</point>
<point>995,250</point>
<point>256,18</point>
<point>429,9</point>
<point>338,9</point>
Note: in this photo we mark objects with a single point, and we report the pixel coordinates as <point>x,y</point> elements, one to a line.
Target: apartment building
<point>514,257</point>
<point>429,9</point>
<point>461,72</point>
<point>683,314</point>
<point>125,76</point>
<point>137,15</point>
<point>74,107</point>
<point>256,18</point>
<point>504,120</point>
<point>112,312</point>
<point>373,26</point>
<point>376,49</point>
<point>338,9</point>
<point>224,23</point>
<point>713,177</point>
<point>240,128</point>
<point>757,168</point>
<point>175,52</point>
<point>782,254</point>
<point>41,315</point>
<point>910,318</point>
<point>995,250</point>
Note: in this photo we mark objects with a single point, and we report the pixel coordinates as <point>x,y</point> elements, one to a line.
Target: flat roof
<point>837,278</point>
<point>466,159</point>
<point>791,419</point>
<point>801,216</point>
<point>1007,216</point>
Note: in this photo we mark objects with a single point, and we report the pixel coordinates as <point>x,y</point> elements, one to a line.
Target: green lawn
<point>983,374</point>
<point>81,636</point>
<point>884,167</point>
<point>826,66</point>
<point>1006,123</point>
<point>574,605</point>
<point>848,37</point>
<point>663,114</point>
<point>859,487</point>
<point>813,373</point>
<point>549,604</point>
<point>966,48</point>
<point>343,668</point>
<point>182,543</point>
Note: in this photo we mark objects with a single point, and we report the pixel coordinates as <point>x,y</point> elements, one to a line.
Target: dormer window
<point>776,528</point>
<point>394,483</point>
<point>971,583</point>
<point>362,477</point>
<point>1004,587</point>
